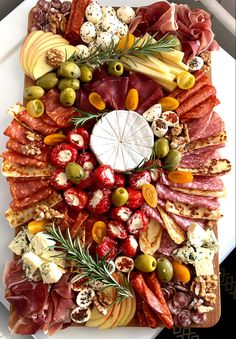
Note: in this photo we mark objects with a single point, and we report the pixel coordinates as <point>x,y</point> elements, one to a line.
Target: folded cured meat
<point>167,194</point>
<point>34,150</point>
<point>198,183</point>
<point>19,204</point>
<point>215,126</point>
<point>210,167</point>
<point>55,110</point>
<point>11,169</point>
<point>19,133</point>
<point>23,159</point>
<point>185,95</point>
<point>167,245</point>
<point>20,190</point>
<point>198,159</point>
<point>201,110</point>
<point>199,97</point>
<point>151,212</point>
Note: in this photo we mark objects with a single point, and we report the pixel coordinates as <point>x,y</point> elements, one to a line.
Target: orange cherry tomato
<point>37,226</point>
<point>181,272</point>
<point>149,193</point>
<point>98,231</point>
<point>180,177</point>
<point>96,100</point>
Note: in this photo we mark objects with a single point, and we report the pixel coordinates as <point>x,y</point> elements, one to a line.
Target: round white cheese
<point>122,139</point>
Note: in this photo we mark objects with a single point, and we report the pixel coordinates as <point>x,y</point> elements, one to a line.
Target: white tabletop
<point>13,30</point>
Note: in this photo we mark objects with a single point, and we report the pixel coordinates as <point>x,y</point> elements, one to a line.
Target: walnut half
<point>54,57</point>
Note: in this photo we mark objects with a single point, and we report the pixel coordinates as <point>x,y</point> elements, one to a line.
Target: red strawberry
<point>129,246</point>
<point>75,198</point>
<point>108,245</point>
<point>116,230</point>
<point>119,180</point>
<point>137,223</point>
<point>87,160</point>
<point>79,138</point>
<point>135,198</point>
<point>87,181</point>
<point>99,201</point>
<point>122,213</point>
<point>103,176</point>
<point>136,180</point>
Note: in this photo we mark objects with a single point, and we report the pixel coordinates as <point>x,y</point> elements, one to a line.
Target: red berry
<point>99,201</point>
<point>87,181</point>
<point>135,199</point>
<point>122,213</point>
<point>79,138</point>
<point>136,180</point>
<point>108,245</point>
<point>87,160</point>
<point>103,176</point>
<point>137,223</point>
<point>59,180</point>
<point>119,180</point>
<point>129,246</point>
<point>75,198</point>
<point>62,154</point>
<point>116,230</point>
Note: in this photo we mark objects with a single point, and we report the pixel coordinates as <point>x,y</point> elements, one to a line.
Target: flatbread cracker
<point>211,167</point>
<point>150,239</point>
<point>205,142</point>
<point>213,194</point>
<point>10,169</point>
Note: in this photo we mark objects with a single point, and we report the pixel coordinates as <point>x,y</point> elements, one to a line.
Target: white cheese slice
<point>40,242</point>
<point>31,262</point>
<point>204,267</point>
<point>196,235</point>
<point>50,273</point>
<point>122,139</point>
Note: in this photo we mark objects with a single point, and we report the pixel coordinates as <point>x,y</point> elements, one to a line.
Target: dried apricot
<point>180,177</point>
<point>149,193</point>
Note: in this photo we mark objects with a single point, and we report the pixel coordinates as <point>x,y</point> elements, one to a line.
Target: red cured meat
<point>20,190</point>
<point>184,223</point>
<point>205,108</point>
<point>44,193</point>
<point>149,91</point>
<point>163,15</point>
<point>185,95</point>
<point>15,146</point>
<point>192,200</point>
<point>167,245</point>
<point>47,120</point>
<point>197,127</point>
<point>151,316</point>
<point>26,325</point>
<point>215,126</point>
<point>59,114</point>
<point>82,101</point>
<point>198,75</point>
<point>25,179</point>
<point>36,124</point>
<point>195,160</point>
<point>151,212</point>
<point>22,159</point>
<point>206,92</point>
<point>17,132</point>
<point>140,314</point>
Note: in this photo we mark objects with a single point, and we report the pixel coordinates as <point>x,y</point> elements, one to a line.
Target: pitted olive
<point>48,81</point>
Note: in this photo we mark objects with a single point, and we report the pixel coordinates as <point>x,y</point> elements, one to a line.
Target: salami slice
<point>181,299</point>
<point>22,159</point>
<point>36,124</point>
<point>197,127</point>
<point>195,160</point>
<point>185,95</point>
<point>167,245</point>
<point>173,309</point>
<point>198,318</point>
<point>198,75</point>
<point>202,109</point>
<point>184,318</point>
<point>151,213</point>
<point>20,190</point>
<point>199,97</point>
<point>42,152</point>
<point>55,111</point>
<point>26,179</point>
<point>44,193</point>
<point>151,316</point>
<point>198,201</point>
<point>140,314</point>
<point>215,126</point>
<point>17,132</point>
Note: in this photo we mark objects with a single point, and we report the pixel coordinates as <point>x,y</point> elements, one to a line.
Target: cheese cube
<point>40,242</point>
<point>204,267</point>
<point>19,243</point>
<point>50,273</point>
<point>211,241</point>
<point>196,235</point>
<point>185,254</point>
<point>31,262</point>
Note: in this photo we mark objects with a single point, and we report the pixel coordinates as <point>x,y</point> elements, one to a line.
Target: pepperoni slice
<point>198,318</point>
<point>180,299</point>
<point>184,318</point>
<point>173,309</point>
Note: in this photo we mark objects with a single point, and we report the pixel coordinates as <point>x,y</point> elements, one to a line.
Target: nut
<point>31,149</point>
<point>44,212</point>
<point>54,57</point>
<point>31,136</point>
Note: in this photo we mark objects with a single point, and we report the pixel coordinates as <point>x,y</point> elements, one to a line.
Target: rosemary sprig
<point>141,48</point>
<point>85,117</point>
<point>93,269</point>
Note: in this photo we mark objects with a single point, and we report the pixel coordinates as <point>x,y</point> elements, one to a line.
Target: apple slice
<point>99,322</point>
<point>132,311</point>
<point>123,313</point>
<point>37,43</point>
<point>41,67</point>
<point>111,320</point>
<point>29,41</point>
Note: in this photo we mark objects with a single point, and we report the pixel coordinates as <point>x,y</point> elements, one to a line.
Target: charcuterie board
<point>214,315</point>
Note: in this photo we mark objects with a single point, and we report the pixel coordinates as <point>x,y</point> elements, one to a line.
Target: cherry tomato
<point>185,80</point>
<point>99,231</point>
<point>35,108</point>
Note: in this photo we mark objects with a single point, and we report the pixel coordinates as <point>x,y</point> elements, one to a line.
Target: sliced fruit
<point>99,321</point>
<point>149,193</point>
<point>111,320</point>
<point>132,311</point>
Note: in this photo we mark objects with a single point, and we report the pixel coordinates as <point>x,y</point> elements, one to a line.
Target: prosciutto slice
<point>59,114</point>
<point>198,201</point>
<point>20,190</point>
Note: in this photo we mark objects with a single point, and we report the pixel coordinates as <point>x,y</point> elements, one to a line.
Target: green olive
<point>33,92</point>
<point>115,68</point>
<point>161,147</point>
<point>67,97</point>
<point>74,172</point>
<point>48,81</point>
<point>69,70</point>
<point>164,269</point>
<point>119,196</point>
<point>69,83</point>
<point>86,73</point>
<point>172,160</point>
<point>35,108</point>
<point>145,263</point>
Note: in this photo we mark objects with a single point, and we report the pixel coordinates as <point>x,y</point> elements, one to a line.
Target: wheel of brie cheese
<point>122,139</point>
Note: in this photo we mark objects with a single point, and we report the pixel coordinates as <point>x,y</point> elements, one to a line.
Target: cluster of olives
<point>172,157</point>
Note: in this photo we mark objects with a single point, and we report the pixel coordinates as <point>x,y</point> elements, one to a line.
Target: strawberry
<point>116,230</point>
<point>87,181</point>
<point>119,180</point>
<point>75,198</point>
<point>99,201</point>
<point>87,160</point>
<point>79,138</point>
<point>137,223</point>
<point>135,199</point>
<point>122,213</point>
<point>103,176</point>
<point>62,154</point>
<point>136,180</point>
<point>108,245</point>
<point>129,246</point>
